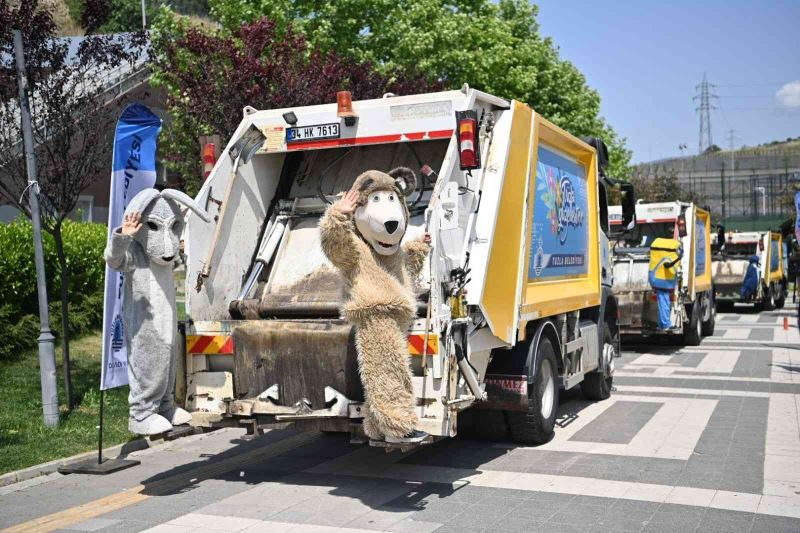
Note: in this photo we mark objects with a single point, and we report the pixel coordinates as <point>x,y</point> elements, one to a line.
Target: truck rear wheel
<point>692,330</point>
<point>769,299</point>
<point>780,301</point>
<point>710,323</point>
<point>536,425</point>
<point>596,386</point>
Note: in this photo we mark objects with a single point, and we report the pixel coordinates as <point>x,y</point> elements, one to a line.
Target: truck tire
<point>692,330</point>
<point>780,301</point>
<point>465,425</point>
<point>769,299</point>
<point>596,386</point>
<point>490,425</point>
<point>482,424</point>
<point>708,325</point>
<point>536,425</point>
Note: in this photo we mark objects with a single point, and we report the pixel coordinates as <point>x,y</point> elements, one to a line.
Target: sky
<point>646,58</point>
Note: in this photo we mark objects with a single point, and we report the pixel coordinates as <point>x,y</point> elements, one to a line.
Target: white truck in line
<point>732,253</point>
<point>692,310</point>
<point>514,304</point>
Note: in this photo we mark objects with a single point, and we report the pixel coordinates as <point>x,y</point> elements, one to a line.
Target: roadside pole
<point>47,357</point>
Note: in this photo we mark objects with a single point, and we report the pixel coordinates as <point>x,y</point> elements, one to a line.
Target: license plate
<point>312,133</point>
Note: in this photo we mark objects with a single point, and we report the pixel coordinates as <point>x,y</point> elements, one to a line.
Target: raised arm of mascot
<point>361,235</point>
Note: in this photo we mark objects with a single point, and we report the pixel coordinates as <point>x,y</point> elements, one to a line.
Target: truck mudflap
<point>505,392</point>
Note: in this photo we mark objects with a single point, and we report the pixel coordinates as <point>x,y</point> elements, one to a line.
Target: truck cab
<point>514,302</point>
<point>692,311</point>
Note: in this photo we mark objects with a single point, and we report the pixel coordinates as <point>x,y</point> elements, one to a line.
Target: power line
<point>754,84</point>
<point>705,107</point>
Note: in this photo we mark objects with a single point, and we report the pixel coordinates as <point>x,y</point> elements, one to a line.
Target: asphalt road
<point>693,439</point>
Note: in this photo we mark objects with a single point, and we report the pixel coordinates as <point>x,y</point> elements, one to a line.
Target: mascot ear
<point>183,198</point>
<point>405,180</point>
<point>143,199</point>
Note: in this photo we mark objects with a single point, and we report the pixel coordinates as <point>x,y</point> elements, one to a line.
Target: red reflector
<point>468,148</point>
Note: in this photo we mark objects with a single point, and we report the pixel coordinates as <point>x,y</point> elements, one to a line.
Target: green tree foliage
<point>110,16</point>
<point>495,47</point>
<point>210,75</point>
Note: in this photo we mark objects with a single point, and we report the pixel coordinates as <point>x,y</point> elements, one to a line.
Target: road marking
<point>73,515</point>
<point>372,466</point>
<point>694,392</point>
<point>781,467</point>
<point>696,376</point>
<point>672,433</point>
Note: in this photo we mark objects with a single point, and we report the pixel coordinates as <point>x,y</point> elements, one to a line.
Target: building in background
<point>751,188</point>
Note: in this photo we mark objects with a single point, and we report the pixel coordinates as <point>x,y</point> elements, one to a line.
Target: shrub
<point>83,247</point>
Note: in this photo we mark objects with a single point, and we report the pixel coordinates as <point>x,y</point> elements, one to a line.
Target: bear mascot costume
<point>360,235</point>
<point>144,248</point>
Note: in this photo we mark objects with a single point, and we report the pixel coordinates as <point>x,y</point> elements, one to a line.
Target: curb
<point>48,468</point>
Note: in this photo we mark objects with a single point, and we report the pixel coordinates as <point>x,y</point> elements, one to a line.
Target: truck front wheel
<point>596,386</point>
<point>536,425</point>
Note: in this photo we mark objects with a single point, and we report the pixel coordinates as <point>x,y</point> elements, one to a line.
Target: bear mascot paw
<point>361,235</point>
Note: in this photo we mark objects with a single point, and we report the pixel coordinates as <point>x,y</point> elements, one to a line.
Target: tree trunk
<point>62,263</point>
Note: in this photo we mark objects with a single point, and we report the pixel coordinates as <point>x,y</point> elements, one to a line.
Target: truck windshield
<point>643,235</point>
<point>741,249</point>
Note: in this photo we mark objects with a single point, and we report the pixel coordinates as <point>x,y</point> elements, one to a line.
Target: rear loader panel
<point>774,261</point>
<point>562,264</point>
<point>500,295</point>
<point>701,252</point>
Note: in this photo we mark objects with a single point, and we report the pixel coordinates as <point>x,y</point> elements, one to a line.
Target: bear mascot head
<point>382,215</point>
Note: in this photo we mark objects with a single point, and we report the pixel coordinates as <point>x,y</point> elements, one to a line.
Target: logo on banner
<point>118,337</point>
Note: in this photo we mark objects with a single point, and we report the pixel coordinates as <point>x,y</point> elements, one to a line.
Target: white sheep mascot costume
<point>144,249</point>
<point>361,235</point>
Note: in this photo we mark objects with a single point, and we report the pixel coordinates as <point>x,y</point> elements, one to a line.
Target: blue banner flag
<point>134,169</point>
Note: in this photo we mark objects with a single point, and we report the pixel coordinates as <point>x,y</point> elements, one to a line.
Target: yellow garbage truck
<point>680,234</point>
<point>736,252</point>
<point>514,302</point>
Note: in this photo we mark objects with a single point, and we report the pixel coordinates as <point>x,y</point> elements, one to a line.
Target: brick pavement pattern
<point>694,439</point>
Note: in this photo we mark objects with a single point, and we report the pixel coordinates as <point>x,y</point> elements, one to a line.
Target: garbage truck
<point>514,302</point>
<point>761,252</point>
<point>670,241</point>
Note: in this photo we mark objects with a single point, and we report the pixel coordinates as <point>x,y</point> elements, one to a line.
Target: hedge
<point>19,308</point>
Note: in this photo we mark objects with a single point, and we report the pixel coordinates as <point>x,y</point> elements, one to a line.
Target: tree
<point>210,75</point>
<point>110,16</point>
<point>73,115</point>
<point>495,47</point>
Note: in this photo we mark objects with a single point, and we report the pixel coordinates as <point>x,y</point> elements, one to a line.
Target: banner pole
<point>100,430</point>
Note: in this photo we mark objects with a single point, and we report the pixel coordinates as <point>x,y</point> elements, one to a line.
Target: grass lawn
<point>25,441</point>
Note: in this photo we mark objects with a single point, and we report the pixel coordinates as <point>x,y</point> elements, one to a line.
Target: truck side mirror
<point>628,205</point>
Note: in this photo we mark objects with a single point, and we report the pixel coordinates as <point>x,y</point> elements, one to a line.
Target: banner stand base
<point>99,466</point>
<point>92,467</point>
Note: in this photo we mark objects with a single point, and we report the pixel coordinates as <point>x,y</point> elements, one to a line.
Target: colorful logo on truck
<point>558,195</point>
<point>559,233</point>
